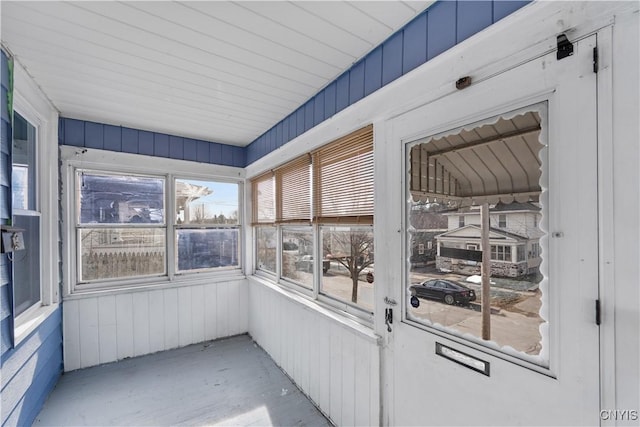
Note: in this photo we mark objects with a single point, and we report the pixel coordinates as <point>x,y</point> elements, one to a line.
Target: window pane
<point>206,202</point>
<point>26,264</point>
<point>266,248</point>
<point>349,272</point>
<point>121,252</point>
<point>23,176</point>
<point>297,255</point>
<point>120,199</point>
<point>205,249</point>
<point>449,178</point>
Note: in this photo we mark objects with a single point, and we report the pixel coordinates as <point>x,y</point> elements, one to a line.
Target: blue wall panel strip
<point>392,58</point>
<point>309,114</point>
<point>190,150</point>
<point>356,83</point>
<point>434,31</point>
<point>318,109</point>
<point>441,28</point>
<point>330,93</point>
<point>176,148</point>
<point>505,8</point>
<point>113,138</point>
<point>129,140</point>
<point>414,53</point>
<point>100,136</point>
<point>160,145</point>
<point>373,71</point>
<point>473,17</point>
<point>342,92</point>
<point>94,135</point>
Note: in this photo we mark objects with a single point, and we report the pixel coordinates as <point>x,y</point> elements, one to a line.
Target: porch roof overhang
<point>498,160</point>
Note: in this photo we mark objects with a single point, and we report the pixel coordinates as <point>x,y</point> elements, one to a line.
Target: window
<point>26,215</point>
<point>535,250</point>
<point>207,225</point>
<point>501,253</point>
<point>452,174</point>
<point>322,206</point>
<point>123,231</point>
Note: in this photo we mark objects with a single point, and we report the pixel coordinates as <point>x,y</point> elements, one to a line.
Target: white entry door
<point>524,142</point>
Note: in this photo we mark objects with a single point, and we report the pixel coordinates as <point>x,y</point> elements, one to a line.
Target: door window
<point>495,162</point>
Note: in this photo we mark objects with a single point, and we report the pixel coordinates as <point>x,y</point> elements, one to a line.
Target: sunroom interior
<point>347,213</point>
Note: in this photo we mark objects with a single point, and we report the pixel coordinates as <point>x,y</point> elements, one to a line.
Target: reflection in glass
<point>497,163</point>
<point>266,248</point>
<point>120,199</point>
<point>297,255</point>
<point>121,252</point>
<point>349,275</point>
<point>26,264</point>
<point>202,249</point>
<point>206,202</point>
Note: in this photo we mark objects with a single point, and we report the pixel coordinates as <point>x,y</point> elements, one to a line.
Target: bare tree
<point>353,250</point>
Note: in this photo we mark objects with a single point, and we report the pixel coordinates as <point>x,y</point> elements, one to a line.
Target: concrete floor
<point>228,382</point>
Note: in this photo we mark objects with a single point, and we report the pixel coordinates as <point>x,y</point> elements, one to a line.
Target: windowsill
<point>115,289</point>
<point>357,325</point>
<point>29,321</point>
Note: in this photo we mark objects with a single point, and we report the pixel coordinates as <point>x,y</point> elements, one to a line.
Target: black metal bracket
<point>565,47</point>
<point>598,313</point>
<point>388,318</point>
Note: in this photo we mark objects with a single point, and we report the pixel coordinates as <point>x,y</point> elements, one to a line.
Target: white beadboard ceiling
<point>212,70</point>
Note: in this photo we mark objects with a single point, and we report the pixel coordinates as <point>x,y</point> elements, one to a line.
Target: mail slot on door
<point>12,239</point>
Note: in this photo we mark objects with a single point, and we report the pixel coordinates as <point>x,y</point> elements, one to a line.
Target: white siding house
<point>514,239</point>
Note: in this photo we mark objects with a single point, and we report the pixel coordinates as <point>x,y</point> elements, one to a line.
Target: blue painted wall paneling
<point>318,109</point>
<point>330,97</point>
<point>505,8</point>
<point>373,71</point>
<point>441,28</point>
<point>342,92</point>
<point>32,371</point>
<point>129,141</point>
<point>472,17</point>
<point>121,139</point>
<point>94,135</point>
<point>160,145</point>
<point>145,143</point>
<point>356,82</point>
<point>202,153</point>
<point>112,138</point>
<point>176,148</point>
<point>190,151</point>
<point>309,114</point>
<point>414,52</point>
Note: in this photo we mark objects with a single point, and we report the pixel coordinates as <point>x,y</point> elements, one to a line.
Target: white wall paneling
<point>332,361</point>
<point>110,326</point>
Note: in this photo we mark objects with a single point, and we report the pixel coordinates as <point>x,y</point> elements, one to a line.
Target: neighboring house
<point>427,226</point>
<point>514,238</point>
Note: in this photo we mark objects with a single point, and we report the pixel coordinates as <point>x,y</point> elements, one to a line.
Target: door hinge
<point>565,47</point>
<point>598,312</point>
<point>595,60</point>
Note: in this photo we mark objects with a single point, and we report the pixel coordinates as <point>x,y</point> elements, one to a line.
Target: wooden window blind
<point>263,194</point>
<point>293,191</point>
<point>343,179</point>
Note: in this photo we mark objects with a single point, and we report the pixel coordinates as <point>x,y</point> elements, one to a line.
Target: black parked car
<point>445,290</point>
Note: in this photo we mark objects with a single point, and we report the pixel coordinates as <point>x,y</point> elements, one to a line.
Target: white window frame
<point>32,105</point>
<point>74,158</point>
